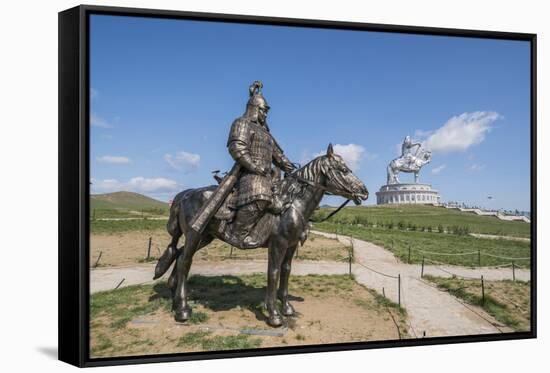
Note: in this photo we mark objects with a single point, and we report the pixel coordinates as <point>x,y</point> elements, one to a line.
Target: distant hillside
<point>125,201</point>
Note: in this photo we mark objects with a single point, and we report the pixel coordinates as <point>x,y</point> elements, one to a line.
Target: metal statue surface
<point>408,162</point>
<point>253,207</point>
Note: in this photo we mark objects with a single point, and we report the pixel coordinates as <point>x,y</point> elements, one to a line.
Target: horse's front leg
<point>276,255</point>
<point>282,293</point>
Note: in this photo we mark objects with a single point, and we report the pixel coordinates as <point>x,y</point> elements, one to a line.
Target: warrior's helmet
<point>256,98</point>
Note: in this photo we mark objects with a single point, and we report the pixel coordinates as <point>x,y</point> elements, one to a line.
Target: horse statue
<point>303,191</point>
<point>409,164</point>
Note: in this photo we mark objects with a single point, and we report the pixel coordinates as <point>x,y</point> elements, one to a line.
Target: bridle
<point>325,190</point>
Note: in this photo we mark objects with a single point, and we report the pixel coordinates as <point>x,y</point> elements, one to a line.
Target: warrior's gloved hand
<point>289,167</point>
<point>247,163</point>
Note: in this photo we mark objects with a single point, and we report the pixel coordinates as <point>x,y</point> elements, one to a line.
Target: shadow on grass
<point>223,293</point>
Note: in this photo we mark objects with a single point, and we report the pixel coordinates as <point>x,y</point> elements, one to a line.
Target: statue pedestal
<point>414,193</point>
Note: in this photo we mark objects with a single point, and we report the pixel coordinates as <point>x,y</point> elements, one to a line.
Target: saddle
<point>262,228</point>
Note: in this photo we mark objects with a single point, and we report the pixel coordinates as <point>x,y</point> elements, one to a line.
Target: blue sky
<point>165,92</point>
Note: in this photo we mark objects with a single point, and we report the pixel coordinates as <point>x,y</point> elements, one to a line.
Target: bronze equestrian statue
<point>253,207</point>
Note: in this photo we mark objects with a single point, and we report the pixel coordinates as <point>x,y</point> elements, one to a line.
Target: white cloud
<point>105,186</point>
<point>156,185</point>
<point>460,132</point>
<point>113,159</point>
<point>352,154</point>
<point>97,121</point>
<point>137,184</point>
<point>477,167</point>
<point>183,160</point>
<point>438,169</point>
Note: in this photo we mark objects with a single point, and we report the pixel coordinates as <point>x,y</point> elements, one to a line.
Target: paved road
<point>431,311</point>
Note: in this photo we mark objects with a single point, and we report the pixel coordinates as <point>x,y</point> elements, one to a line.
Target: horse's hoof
<point>183,315</point>
<point>275,321</point>
<point>288,310</point>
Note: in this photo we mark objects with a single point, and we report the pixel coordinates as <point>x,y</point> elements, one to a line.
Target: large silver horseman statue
<point>409,161</point>
<point>252,206</point>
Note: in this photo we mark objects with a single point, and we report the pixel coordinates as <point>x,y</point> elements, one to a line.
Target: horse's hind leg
<point>172,280</point>
<point>282,293</point>
<point>193,242</point>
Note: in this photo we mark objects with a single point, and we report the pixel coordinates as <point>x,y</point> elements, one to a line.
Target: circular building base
<point>394,194</point>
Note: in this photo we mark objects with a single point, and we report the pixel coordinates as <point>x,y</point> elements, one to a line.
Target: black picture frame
<point>74,189</point>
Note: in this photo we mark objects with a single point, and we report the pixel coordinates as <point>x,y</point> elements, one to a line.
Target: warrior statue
<point>407,148</point>
<point>246,208</point>
<point>252,146</point>
<point>408,162</point>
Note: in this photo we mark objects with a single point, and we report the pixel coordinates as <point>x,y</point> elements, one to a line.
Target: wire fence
<point>395,277</point>
<point>479,253</point>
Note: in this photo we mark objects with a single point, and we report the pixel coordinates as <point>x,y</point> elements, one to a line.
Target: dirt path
<point>108,278</point>
<point>431,311</point>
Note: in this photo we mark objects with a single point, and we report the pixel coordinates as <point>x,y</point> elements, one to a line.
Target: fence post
<point>422,271</point>
<point>478,257</point>
<point>383,292</point>
<point>482,291</point>
<point>149,248</point>
<point>399,289</point>
<point>409,261</point>
<point>120,283</point>
<point>514,271</point>
<point>349,260</point>
<point>99,257</point>
<point>231,252</point>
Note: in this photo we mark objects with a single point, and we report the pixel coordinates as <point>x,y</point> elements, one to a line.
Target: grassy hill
<point>421,216</point>
<point>432,232</point>
<point>125,204</point>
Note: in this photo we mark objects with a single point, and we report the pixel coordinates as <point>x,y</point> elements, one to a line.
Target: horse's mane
<point>311,171</point>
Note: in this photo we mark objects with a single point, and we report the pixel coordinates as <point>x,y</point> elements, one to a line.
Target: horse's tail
<point>173,227</point>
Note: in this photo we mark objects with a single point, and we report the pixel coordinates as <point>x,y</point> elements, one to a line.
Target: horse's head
<point>339,179</point>
<point>426,156</point>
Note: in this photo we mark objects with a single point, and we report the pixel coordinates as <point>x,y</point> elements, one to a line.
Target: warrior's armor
<point>251,144</point>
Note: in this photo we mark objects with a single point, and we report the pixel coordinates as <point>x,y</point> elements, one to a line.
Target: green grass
<point>102,344</point>
<point>117,226</point>
<point>112,311</point>
<point>507,301</point>
<point>127,201</point>
<point>206,342</point>
<point>426,216</point>
<point>399,241</point>
<point>124,304</point>
<point>198,317</point>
